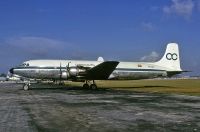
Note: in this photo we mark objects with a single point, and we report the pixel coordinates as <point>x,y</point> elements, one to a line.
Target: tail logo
<point>171,56</point>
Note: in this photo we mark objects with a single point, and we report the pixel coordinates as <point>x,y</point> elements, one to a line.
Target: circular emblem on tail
<point>171,56</point>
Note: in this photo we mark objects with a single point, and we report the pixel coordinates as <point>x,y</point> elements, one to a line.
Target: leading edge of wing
<point>101,71</point>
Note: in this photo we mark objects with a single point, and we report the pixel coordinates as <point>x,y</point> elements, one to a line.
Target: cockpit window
<point>24,64</point>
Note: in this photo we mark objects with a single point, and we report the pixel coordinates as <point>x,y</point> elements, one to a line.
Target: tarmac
<point>75,109</point>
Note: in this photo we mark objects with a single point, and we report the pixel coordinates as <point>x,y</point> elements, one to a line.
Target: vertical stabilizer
<point>171,59</point>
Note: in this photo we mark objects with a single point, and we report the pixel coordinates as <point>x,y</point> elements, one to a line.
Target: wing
<point>101,71</point>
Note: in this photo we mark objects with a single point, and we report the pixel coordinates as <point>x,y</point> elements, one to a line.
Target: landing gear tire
<point>26,87</point>
<point>85,86</point>
<point>93,86</point>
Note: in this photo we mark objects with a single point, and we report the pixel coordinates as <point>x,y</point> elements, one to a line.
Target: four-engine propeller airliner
<point>82,70</point>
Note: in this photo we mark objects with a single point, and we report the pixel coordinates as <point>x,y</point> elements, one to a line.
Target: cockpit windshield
<point>24,65</point>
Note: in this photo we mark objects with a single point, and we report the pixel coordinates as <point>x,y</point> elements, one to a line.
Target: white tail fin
<point>171,60</point>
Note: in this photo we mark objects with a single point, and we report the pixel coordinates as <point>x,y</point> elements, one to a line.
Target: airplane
<point>88,71</point>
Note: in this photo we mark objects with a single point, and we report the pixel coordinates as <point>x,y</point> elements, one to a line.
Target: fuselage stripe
<point>58,68</point>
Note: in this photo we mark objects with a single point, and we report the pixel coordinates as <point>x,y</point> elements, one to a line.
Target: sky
<point>124,30</point>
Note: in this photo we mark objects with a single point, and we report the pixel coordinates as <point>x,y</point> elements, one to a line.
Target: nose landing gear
<point>26,86</point>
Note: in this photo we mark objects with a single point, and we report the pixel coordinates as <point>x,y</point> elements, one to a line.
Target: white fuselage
<point>50,69</point>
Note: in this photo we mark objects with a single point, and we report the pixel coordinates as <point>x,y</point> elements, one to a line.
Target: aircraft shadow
<point>151,86</point>
<point>68,88</point>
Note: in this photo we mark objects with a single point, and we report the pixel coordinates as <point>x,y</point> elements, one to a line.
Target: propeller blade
<point>68,66</point>
<point>60,73</point>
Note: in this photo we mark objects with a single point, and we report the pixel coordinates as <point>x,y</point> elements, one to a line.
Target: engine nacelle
<point>65,75</point>
<point>72,73</point>
<point>75,71</point>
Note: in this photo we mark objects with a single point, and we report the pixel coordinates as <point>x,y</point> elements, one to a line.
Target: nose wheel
<point>26,86</point>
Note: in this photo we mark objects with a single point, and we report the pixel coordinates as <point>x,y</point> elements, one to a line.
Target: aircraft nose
<point>11,70</point>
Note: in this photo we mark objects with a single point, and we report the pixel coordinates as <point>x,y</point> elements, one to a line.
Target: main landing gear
<point>91,86</point>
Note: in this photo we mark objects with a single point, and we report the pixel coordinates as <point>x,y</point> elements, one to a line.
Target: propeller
<point>68,68</point>
<point>60,73</point>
